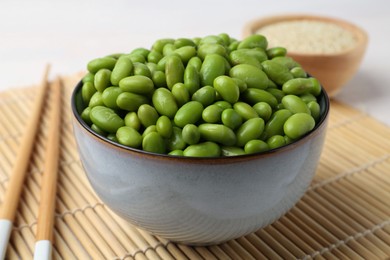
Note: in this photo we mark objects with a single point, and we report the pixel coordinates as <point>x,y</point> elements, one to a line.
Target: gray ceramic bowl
<point>198,201</point>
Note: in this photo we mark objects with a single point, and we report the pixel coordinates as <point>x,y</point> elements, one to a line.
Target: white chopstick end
<point>5,233</point>
<point>42,250</point>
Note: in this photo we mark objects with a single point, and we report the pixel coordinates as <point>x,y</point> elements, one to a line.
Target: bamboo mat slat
<point>345,214</point>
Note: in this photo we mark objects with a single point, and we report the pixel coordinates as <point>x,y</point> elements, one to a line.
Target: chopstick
<point>18,174</point>
<point>45,223</point>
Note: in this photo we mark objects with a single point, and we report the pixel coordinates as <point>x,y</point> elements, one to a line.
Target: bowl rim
<point>362,37</point>
<point>321,124</point>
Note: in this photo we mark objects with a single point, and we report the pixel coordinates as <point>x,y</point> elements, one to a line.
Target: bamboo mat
<point>344,214</point>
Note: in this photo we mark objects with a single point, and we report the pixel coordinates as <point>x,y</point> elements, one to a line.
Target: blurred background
<point>68,34</point>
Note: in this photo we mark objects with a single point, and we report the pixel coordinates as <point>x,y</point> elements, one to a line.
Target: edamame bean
<point>204,95</point>
<point>253,41</point>
<point>149,129</point>
<point>298,72</point>
<point>164,126</point>
<point>196,62</point>
<point>154,56</point>
<point>276,52</point>
<point>186,53</point>
<point>254,95</point>
<point>275,125</point>
<point>232,151</point>
<point>251,75</point>
<point>301,86</point>
<point>174,70</point>
<point>223,104</point>
<point>249,130</point>
<point>295,104</point>
<point>212,114</point>
<point>159,44</point>
<point>189,113</point>
<point>102,79</point>
<point>191,79</point>
<point>85,115</point>
<point>181,93</point>
<point>231,118</point>
<point>141,69</point>
<point>227,88</point>
<point>212,67</point>
<point>112,137</point>
<point>277,93</point>
<point>147,115</point>
<point>96,100</point>
<point>276,141</point>
<point>159,79</point>
<point>315,110</point>
<point>154,143</point>
<point>110,95</point>
<point>245,110</point>
<point>264,110</point>
<point>211,49</point>
<point>242,86</point>
<point>191,134</point>
<point>97,130</point>
<point>286,61</point>
<point>101,63</point>
<point>256,146</point>
<point>87,91</point>
<point>136,58</point>
<point>123,68</point>
<point>89,77</point>
<point>140,51</point>
<point>298,125</point>
<point>106,119</point>
<point>164,102</point>
<point>169,48</point>
<point>128,136</point>
<point>205,149</point>
<point>308,97</point>
<point>131,119</point>
<point>130,101</point>
<point>176,153</point>
<point>276,72</point>
<point>137,84</point>
<point>181,42</point>
<point>176,141</point>
<point>248,56</point>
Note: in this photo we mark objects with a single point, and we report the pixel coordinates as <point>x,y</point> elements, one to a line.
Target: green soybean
<point>131,119</point>
<point>110,95</point>
<point>274,126</point>
<point>112,137</point>
<point>227,88</point>
<point>211,49</point>
<point>140,51</point>
<point>154,56</point>
<point>189,113</point>
<point>276,52</point>
<point>128,136</point>
<point>164,102</point>
<point>205,149</point>
<point>137,84</point>
<point>106,119</point>
<point>176,141</point>
<point>315,110</point>
<point>130,101</point>
<point>253,41</point>
<point>301,86</point>
<point>180,93</point>
<point>251,75</point>
<point>212,67</point>
<point>264,110</point>
<point>298,72</point>
<point>96,100</point>
<point>286,61</point>
<point>85,115</point>
<point>186,53</point>
<point>232,151</point>
<point>204,95</point>
<point>102,79</point>
<point>176,153</point>
<point>123,68</point>
<point>181,42</point>
<point>276,141</point>
<point>159,44</point>
<point>249,130</point>
<point>101,63</point>
<point>98,130</point>
<point>245,110</point>
<point>164,126</point>
<point>191,134</point>
<point>295,104</point>
<point>231,118</point>
<point>254,95</point>
<point>256,146</point>
<point>87,91</point>
<point>141,69</point>
<point>223,104</point>
<point>217,133</point>
<point>174,70</point>
<point>195,62</point>
<point>89,77</point>
<point>159,79</point>
<point>149,129</point>
<point>212,114</point>
<point>298,125</point>
<point>277,72</point>
<point>154,143</point>
<point>191,79</point>
<point>147,115</point>
<point>248,56</point>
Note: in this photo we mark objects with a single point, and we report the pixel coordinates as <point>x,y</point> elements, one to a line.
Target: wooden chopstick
<point>45,223</point>
<point>12,194</point>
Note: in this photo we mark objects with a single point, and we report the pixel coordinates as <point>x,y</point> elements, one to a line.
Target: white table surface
<point>70,33</point>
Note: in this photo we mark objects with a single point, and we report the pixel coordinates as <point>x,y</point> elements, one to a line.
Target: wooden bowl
<point>332,70</point>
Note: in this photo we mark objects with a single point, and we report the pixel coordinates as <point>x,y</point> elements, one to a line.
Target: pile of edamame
<point>201,97</point>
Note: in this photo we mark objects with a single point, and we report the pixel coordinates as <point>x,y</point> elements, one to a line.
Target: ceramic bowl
<point>332,70</point>
<point>198,201</point>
